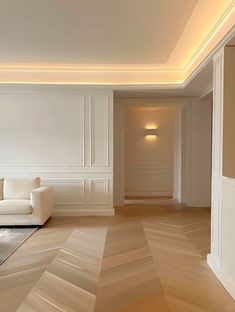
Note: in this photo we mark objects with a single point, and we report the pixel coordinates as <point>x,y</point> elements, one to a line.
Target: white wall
<point>228,230</point>
<point>149,162</point>
<point>64,135</point>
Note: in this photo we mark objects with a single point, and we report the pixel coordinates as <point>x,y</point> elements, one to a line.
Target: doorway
<point>174,163</point>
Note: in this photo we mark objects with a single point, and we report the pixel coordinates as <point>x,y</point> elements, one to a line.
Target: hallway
<point>146,258</point>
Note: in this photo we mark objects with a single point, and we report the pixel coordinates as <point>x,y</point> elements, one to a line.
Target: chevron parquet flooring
<point>145,259</point>
<point>128,276</point>
<point>71,280</point>
<point>188,283</point>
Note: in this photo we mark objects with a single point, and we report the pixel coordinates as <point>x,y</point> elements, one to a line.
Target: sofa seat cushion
<point>19,188</point>
<point>15,207</point>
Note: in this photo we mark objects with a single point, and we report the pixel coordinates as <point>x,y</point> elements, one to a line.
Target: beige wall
<point>228,182</point>
<point>222,256</point>
<point>229,113</point>
<point>149,162</point>
<point>198,183</point>
<point>228,227</point>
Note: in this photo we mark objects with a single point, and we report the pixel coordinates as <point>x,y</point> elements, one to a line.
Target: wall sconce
<point>150,134</point>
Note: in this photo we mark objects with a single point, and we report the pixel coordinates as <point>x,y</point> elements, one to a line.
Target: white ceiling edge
<point>197,86</point>
<point>201,82</point>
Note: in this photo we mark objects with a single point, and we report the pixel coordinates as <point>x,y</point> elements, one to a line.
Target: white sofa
<point>24,202</point>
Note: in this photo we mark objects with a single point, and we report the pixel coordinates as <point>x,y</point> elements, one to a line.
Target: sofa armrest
<point>42,204</point>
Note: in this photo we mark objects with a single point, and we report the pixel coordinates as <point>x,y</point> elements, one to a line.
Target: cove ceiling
<point>108,41</point>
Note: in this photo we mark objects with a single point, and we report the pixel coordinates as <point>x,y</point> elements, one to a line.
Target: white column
<point>214,258</point>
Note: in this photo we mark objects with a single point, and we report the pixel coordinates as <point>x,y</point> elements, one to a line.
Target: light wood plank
<point>128,278</point>
<point>70,282</point>
<point>188,282</point>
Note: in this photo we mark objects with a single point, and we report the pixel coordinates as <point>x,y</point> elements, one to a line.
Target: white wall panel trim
<point>82,129</point>
<point>224,278</point>
<point>149,169</point>
<point>71,170</point>
<point>149,194</point>
<point>217,155</point>
<point>65,210</point>
<point>105,124</point>
<point>95,199</point>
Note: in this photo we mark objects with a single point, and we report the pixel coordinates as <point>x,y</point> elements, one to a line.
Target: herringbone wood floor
<point>145,259</point>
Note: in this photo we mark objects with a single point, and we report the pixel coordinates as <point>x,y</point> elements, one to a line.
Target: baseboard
<point>199,204</point>
<point>224,278</point>
<point>148,194</point>
<point>119,203</point>
<point>84,212</point>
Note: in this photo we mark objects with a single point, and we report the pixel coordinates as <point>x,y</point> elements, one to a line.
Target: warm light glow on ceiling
<point>187,57</point>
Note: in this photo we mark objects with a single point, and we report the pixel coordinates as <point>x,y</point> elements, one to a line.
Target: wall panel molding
<point>32,128</point>
<point>99,140</point>
<point>12,170</point>
<point>160,175</point>
<point>149,169</point>
<point>82,129</point>
<point>99,191</point>
<point>68,192</point>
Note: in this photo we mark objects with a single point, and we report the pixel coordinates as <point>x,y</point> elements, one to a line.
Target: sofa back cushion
<point>1,189</point>
<point>19,188</point>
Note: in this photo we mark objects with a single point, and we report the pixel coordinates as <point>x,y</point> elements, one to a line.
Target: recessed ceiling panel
<point>91,31</point>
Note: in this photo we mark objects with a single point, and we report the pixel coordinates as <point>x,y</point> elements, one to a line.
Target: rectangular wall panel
<point>68,192</point>
<point>149,180</point>
<point>99,190</point>
<point>99,121</point>
<point>42,129</point>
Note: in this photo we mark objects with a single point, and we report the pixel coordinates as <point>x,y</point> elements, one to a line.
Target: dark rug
<point>11,239</point>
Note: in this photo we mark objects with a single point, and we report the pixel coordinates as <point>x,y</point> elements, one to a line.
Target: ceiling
<point>91,31</point>
<point>117,42</point>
